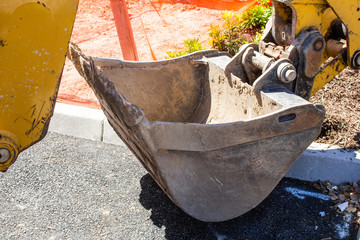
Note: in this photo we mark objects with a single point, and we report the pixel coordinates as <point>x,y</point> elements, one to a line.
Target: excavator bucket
<point>214,143</point>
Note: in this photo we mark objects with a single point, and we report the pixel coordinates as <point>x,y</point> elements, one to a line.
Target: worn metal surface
<point>225,166</point>
<point>166,90</point>
<point>74,188</point>
<point>309,60</point>
<point>334,21</point>
<point>33,44</point>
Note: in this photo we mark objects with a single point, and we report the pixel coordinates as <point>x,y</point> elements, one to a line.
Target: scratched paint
<point>32,65</point>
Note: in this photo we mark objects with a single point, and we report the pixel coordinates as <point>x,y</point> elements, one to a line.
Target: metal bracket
<point>310,46</point>
<point>270,78</point>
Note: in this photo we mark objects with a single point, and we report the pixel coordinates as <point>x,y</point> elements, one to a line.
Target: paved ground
<point>69,188</point>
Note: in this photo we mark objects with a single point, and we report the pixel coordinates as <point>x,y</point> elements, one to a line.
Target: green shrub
<point>229,36</point>
<point>257,16</point>
<point>258,36</point>
<point>191,45</point>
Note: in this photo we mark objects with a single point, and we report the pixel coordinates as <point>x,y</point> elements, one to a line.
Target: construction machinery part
<point>320,38</point>
<point>34,36</point>
<point>216,133</point>
<point>211,129</point>
<point>310,47</point>
<point>216,151</point>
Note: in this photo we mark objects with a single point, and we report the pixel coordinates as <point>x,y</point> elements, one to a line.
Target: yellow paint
<point>349,13</point>
<point>34,36</point>
<point>327,74</point>
<point>319,14</point>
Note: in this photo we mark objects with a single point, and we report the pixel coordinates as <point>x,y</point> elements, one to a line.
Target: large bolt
<point>355,61</point>
<point>8,151</point>
<point>290,75</point>
<point>286,72</point>
<point>4,155</point>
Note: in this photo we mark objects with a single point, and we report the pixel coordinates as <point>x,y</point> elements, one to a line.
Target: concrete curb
<point>83,122</point>
<point>319,161</point>
<point>325,162</point>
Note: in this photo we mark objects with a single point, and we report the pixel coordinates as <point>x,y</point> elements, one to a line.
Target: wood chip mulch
<point>341,98</point>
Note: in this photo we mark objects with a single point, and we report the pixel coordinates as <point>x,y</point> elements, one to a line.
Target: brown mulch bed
<point>341,98</point>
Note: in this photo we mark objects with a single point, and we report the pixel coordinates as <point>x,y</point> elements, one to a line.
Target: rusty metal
<point>334,47</point>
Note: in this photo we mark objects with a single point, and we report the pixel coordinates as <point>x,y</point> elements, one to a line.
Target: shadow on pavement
<point>294,210</point>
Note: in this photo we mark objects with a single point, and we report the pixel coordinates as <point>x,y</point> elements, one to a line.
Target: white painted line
<point>302,194</point>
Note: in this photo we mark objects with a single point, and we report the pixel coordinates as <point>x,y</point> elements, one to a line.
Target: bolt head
<point>355,62</point>
<point>318,45</point>
<point>4,155</point>
<point>290,75</point>
<point>286,72</point>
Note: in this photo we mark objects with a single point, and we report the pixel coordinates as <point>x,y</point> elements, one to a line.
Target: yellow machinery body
<point>34,37</point>
<point>320,15</point>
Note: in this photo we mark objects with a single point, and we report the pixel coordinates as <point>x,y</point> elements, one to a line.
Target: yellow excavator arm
<point>34,37</point>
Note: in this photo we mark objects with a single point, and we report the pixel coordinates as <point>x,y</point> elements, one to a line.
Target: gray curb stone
<point>326,162</point>
<point>319,162</point>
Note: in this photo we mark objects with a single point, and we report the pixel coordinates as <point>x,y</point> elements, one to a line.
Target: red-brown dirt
<point>158,26</point>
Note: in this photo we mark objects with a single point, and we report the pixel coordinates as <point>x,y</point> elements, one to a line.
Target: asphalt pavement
<point>72,188</point>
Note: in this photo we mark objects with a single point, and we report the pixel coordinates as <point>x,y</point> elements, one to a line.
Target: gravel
<point>70,188</point>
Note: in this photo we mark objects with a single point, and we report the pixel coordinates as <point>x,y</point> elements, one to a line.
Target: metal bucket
<point>215,144</point>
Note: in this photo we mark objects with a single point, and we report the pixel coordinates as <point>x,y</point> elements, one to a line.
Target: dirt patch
<point>341,98</point>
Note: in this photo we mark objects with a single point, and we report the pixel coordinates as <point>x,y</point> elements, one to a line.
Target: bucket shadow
<point>294,210</point>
